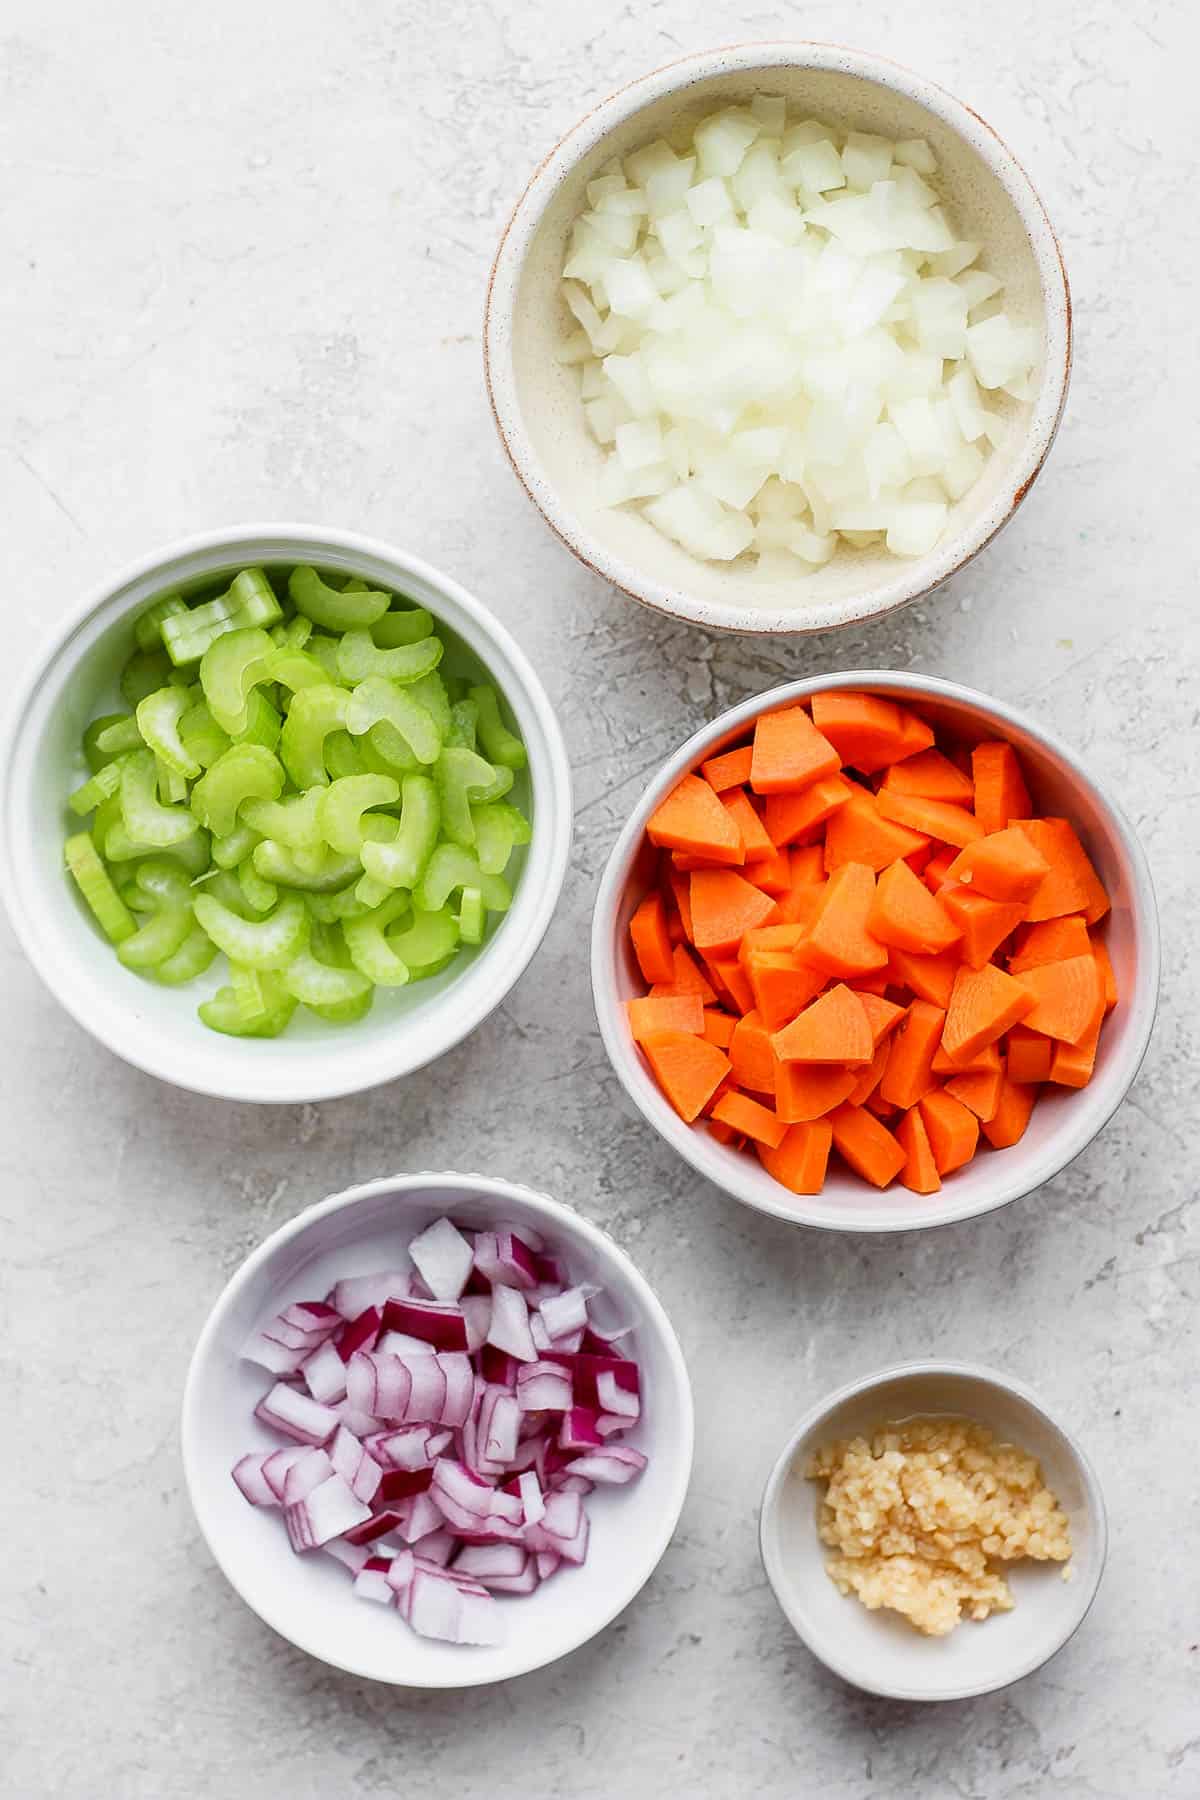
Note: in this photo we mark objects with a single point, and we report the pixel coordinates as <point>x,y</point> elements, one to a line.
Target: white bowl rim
<point>1076,1133</point>
<point>1040,425</point>
<point>558,1216</point>
<point>865,1384</point>
<point>449,1026</point>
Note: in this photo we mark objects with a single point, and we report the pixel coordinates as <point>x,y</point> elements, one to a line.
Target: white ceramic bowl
<point>309,1599</point>
<point>536,401</point>
<point>1063,1122</point>
<point>156,1028</point>
<point>880,1651</point>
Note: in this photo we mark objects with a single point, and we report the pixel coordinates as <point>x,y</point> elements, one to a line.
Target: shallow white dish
<point>156,1028</point>
<point>536,400</point>
<point>880,1651</point>
<point>1063,1123</point>
<point>309,1599</point>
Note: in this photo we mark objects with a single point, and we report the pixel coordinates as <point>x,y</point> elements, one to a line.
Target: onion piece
<point>443,1258</point>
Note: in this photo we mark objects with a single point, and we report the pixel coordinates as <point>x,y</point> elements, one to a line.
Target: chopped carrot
<point>724,906</point>
<point>782,985</point>
<point>734,980</point>
<point>882,1015</point>
<point>919,860</point>
<point>691,818</point>
<point>755,840</point>
<point>789,753</point>
<point>984,924</point>
<point>808,866</point>
<point>750,1118</point>
<point>1073,1064</point>
<point>875,983</point>
<point>773,873</point>
<point>867,731</point>
<point>751,1055</point>
<point>770,937</point>
<point>979,1091</point>
<point>1072,884</point>
<point>915,735</point>
<point>833,1029</point>
<point>936,870</point>
<point>1029,1055</point>
<point>858,833</point>
<point>983,1004</point>
<point>805,1091</point>
<point>951,824</point>
<point>1000,792</point>
<point>920,1172</point>
<point>1050,940</point>
<point>838,940</point>
<point>682,1012</point>
<point>718,1026</point>
<point>952,1129</point>
<point>983,1062</point>
<point>681,893</point>
<point>675,932</point>
<point>788,816</point>
<point>1007,865</point>
<point>1007,1125</point>
<point>929,977</point>
<point>906,916</point>
<point>688,1069</point>
<point>1068,997</point>
<point>931,776</point>
<point>800,1161</point>
<point>687,979</point>
<point>883,1109</point>
<point>651,941</point>
<point>871,1076</point>
<point>908,1075</point>
<point>867,1145</point>
<point>729,770</point>
<point>1108,975</point>
<point>725,1134</point>
<point>800,905</point>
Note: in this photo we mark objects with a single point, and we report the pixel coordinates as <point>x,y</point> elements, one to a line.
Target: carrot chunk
<point>789,753</point>
<point>859,833</point>
<point>1007,1125</point>
<point>686,979</point>
<point>750,1118</point>
<point>808,866</point>
<point>1000,792</point>
<point>805,1091</point>
<point>984,1061</point>
<point>930,776</point>
<point>978,1090</point>
<point>751,1056</point>
<point>691,818</point>
<point>951,824</point>
<point>838,940</point>
<point>800,1162</point>
<point>1029,1056</point>
<point>755,840</point>
<point>1072,884</point>
<point>920,1172</point>
<point>983,924</point>
<point>1072,1065</point>
<point>725,905</point>
<point>724,1134</point>
<point>781,985</point>
<point>729,770</point>
<point>1068,997</point>
<point>983,1004</point>
<point>882,1015</point>
<point>906,916</point>
<point>683,1012</point>
<point>651,939</point>
<point>908,1075</point>
<point>871,1076</point>
<point>952,1129</point>
<point>936,870</point>
<point>718,1026</point>
<point>773,873</point>
<point>1108,974</point>
<point>868,731</point>
<point>688,1069</point>
<point>789,816</point>
<point>731,976</point>
<point>1050,940</point>
<point>867,1145</point>
<point>1007,865</point>
<point>929,977</point>
<point>833,1029</point>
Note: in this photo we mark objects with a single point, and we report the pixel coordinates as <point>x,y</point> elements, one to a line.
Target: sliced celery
<point>145,671</point>
<point>172,786</point>
<point>315,712</point>
<point>119,735</point>
<point>427,942</point>
<point>101,786</point>
<point>343,804</point>
<point>263,722</point>
<point>275,862</point>
<point>370,951</point>
<point>148,629</point>
<point>244,772</point>
<point>472,916</point>
<point>431,693</point>
<point>295,821</point>
<point>377,699</point>
<point>348,1012</point>
<point>228,852</point>
<point>331,609</point>
<point>323,650</point>
<point>400,863</point>
<point>395,629</point>
<point>321,984</point>
<point>451,867</point>
<point>342,904</point>
<point>161,936</point>
<point>260,895</point>
<point>95,757</point>
<point>464,722</point>
<point>146,821</point>
<point>498,830</point>
<point>250,601</point>
<point>500,745</point>
<point>269,943</point>
<point>295,669</point>
<point>223,1013</point>
<point>95,884</point>
<point>191,959</point>
<point>159,717</point>
<point>384,752</point>
<point>201,736</point>
<point>360,656</point>
<point>248,991</point>
<point>342,755</point>
<point>230,670</point>
<point>461,777</point>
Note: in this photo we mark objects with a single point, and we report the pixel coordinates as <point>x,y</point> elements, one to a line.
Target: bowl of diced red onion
<point>437,1430</point>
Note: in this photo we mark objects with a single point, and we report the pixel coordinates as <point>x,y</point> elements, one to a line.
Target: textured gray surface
<point>246,253</point>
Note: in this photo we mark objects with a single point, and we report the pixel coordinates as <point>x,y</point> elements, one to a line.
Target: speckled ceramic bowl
<point>536,399</point>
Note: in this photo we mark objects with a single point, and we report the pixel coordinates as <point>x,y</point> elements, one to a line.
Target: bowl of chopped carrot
<point>874,952</point>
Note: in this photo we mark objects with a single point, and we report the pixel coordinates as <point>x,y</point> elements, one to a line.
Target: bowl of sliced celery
<point>285,814</point>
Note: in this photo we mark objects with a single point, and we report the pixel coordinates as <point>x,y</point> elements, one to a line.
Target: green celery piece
<point>228,852</point>
<point>461,777</point>
<point>295,669</point>
<point>269,943</point>
<point>145,671</point>
<point>120,846</point>
<point>244,772</point>
<point>263,722</point>
<point>119,735</point>
<point>400,863</point>
<point>503,781</point>
<point>384,752</point>
<point>464,721</point>
<point>407,626</point>
<point>377,699</point>
<point>360,656</point>
<point>295,821</point>
<point>224,886</point>
<point>148,629</point>
<point>431,693</point>
<point>145,820</point>
<point>163,882</point>
<point>335,611</point>
<point>158,719</point>
<point>498,829</point>
<point>191,959</point>
<point>101,786</point>
<point>370,951</point>
<point>163,934</point>
<point>296,632</point>
<point>431,939</point>
<point>349,1012</point>
<point>327,943</point>
<point>95,884</point>
<point>315,712</point>
<point>342,904</point>
<point>500,745</point>
<point>323,650</point>
<point>343,803</point>
<point>172,786</point>
<point>261,895</point>
<point>248,991</point>
<point>472,916</point>
<point>230,670</point>
<point>452,867</point>
<point>201,736</point>
<point>320,984</point>
<point>342,755</point>
<point>223,1013</point>
<point>108,816</point>
<point>371,894</point>
<point>250,601</point>
<point>96,758</point>
<point>275,862</point>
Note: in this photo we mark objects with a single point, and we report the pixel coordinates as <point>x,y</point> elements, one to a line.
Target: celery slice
<point>295,821</point>
<point>119,846</point>
<point>342,755</point>
<point>461,777</point>
<point>260,895</point>
<point>464,722</point>
<point>264,723</point>
<point>146,821</point>
<point>275,862</point>
<point>377,699</point>
<point>250,601</point>
<point>472,916</point>
<point>159,716</point>
<point>294,669</point>
<point>172,786</point>
<point>95,884</point>
<point>315,712</point>
<point>500,745</point>
<point>230,670</point>
<point>293,635</point>
<point>223,1013</point>
<point>249,993</point>
<point>321,984</point>
<point>400,863</point>
<point>148,629</point>
<point>343,804</point>
<point>101,786</point>
<point>498,830</point>
<point>244,772</point>
<point>201,736</point>
<point>332,610</point>
<point>193,956</point>
<point>428,941</point>
<point>431,693</point>
<point>145,671</point>
<point>161,936</point>
<point>360,656</point>
<point>343,903</point>
<point>269,943</point>
<point>401,627</point>
<point>323,651</point>
<point>370,951</point>
<point>451,867</point>
<point>231,851</point>
<point>94,756</point>
<point>119,735</point>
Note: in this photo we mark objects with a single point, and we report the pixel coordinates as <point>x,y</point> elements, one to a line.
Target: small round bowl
<point>536,401</point>
<point>1063,1122</point>
<point>156,1028</point>
<point>880,1651</point>
<point>309,1600</point>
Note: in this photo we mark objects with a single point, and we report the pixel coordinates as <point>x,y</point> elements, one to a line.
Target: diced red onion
<point>356,1293</point>
<point>362,1424</point>
<point>437,1546</point>
<point>286,1409</point>
<point>360,1333</point>
<point>399,1484</point>
<point>498,1367</point>
<point>565,1313</point>
<point>443,1259</point>
<point>543,1387</point>
<point>400,1343</point>
<point>407,1448</point>
<point>376,1525</point>
<point>524,1583</point>
<point>371,1582</point>
<point>400,1571</point>
<point>578,1431</point>
<point>506,1259</point>
<point>275,1467</point>
<point>611,1397</point>
<point>439,1323</point>
<point>418,1517</point>
<point>331,1510</point>
<point>533,1503</point>
<point>509,1328</point>
<point>355,1465</point>
<point>547,1562</point>
<point>324,1374</point>
<point>570,1483</point>
<point>614,1465</point>
<point>484,1560</point>
<point>477,1314</point>
<point>351,1556</point>
<point>584,1368</point>
<point>499,1420</point>
<point>312,1315</point>
<point>248,1473</point>
<point>310,1469</point>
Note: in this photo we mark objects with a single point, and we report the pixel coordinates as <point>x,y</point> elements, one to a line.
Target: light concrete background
<point>245,251</point>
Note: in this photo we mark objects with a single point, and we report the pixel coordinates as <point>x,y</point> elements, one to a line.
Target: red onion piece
<point>578,1431</point>
<point>543,1387</point>
<point>324,1374</point>
<point>298,1417</point>
<point>436,1546</point>
<point>613,1465</point>
<point>437,1322</point>
<point>248,1473</point>
<point>309,1470</point>
<point>443,1259</point>
<point>484,1560</point>
<point>351,1556</point>
<point>371,1582</point>
<point>360,1333</point>
<point>509,1328</point>
<point>356,1293</point>
<point>564,1313</point>
<point>330,1511</point>
<point>399,1484</point>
